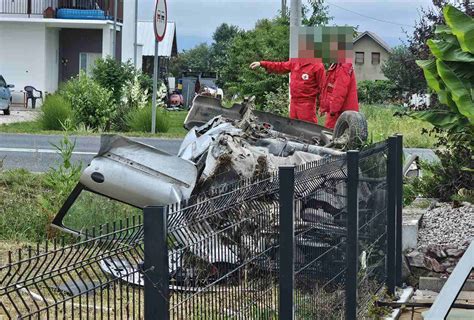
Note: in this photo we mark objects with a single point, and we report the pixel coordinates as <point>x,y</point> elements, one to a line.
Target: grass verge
<point>176,130</point>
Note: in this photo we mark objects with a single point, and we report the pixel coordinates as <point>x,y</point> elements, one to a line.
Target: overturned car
<point>223,146</point>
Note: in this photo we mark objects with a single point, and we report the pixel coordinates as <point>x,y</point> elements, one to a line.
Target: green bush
<point>54,112</point>
<point>113,75</point>
<point>278,102</point>
<point>92,104</point>
<point>379,91</point>
<point>140,120</point>
<point>451,76</point>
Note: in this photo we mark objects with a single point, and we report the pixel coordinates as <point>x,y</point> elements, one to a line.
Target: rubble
<point>443,238</point>
<point>447,226</point>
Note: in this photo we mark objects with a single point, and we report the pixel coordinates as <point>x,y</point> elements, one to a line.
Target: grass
<point>24,216</point>
<point>176,129</point>
<point>382,124</point>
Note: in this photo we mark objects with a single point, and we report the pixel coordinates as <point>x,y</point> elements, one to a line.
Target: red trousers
<point>303,109</point>
<point>331,120</point>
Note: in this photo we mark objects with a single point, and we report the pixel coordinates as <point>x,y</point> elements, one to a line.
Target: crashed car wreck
<point>223,146</point>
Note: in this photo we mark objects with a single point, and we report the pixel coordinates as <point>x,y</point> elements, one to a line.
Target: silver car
<point>5,96</point>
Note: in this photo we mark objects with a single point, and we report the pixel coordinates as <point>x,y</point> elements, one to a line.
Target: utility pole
<point>295,23</point>
<point>135,45</point>
<point>114,36</point>
<point>283,8</point>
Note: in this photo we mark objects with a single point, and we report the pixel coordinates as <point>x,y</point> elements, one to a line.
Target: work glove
<point>254,65</point>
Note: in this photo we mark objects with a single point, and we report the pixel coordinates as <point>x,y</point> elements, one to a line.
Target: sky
<point>196,20</point>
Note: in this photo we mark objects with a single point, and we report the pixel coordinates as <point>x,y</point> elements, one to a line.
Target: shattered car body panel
<point>205,108</point>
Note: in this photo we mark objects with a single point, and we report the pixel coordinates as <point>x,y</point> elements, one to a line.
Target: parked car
<point>5,96</point>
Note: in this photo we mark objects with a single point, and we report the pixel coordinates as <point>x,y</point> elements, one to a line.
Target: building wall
<point>368,71</point>
<point>52,59</point>
<point>128,31</point>
<point>71,43</point>
<point>23,55</point>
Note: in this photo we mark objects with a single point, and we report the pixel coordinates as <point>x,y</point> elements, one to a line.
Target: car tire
<point>6,112</point>
<point>354,125</point>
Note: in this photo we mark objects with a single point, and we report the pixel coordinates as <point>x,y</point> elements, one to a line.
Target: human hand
<point>254,65</point>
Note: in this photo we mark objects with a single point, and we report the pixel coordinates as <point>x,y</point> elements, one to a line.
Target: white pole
<point>114,36</point>
<point>136,36</point>
<point>155,88</point>
<point>295,23</point>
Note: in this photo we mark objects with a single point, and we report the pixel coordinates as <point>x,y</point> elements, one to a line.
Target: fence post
<point>156,272</point>
<point>287,242</point>
<point>28,8</point>
<point>352,250</point>
<point>399,210</point>
<point>391,212</point>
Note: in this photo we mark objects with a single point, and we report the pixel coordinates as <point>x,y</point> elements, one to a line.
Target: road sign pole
<point>155,88</point>
<point>159,24</point>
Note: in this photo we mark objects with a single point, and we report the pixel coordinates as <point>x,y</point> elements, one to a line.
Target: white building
<point>46,42</point>
<point>167,48</point>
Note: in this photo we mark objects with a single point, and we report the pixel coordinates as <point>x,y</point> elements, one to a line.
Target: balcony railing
<point>38,7</point>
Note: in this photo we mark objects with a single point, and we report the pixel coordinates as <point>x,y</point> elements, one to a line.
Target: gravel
<point>18,116</point>
<point>447,226</point>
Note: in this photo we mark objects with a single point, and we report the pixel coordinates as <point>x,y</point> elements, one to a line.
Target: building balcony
<point>62,9</point>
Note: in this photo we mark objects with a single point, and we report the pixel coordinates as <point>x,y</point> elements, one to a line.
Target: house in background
<point>46,42</point>
<point>167,48</point>
<point>370,53</point>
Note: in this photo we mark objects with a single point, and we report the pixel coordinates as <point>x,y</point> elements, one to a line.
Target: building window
<point>359,58</point>
<point>375,57</point>
<point>87,61</point>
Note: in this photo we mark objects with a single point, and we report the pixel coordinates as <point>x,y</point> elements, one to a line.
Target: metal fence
<point>315,241</point>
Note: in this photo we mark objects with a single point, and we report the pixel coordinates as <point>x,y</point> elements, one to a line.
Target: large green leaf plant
<point>451,73</point>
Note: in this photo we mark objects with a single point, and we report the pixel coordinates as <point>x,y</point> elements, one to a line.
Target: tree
<point>316,13</point>
<point>196,59</point>
<point>450,74</point>
<point>223,37</point>
<point>269,40</point>
<point>424,29</point>
<point>402,70</point>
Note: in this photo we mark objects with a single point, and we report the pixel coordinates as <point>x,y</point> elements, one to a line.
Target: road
<point>35,152</point>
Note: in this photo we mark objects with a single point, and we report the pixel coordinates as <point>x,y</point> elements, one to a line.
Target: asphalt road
<point>35,152</point>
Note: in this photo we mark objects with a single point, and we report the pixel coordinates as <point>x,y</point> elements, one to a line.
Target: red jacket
<point>307,78</point>
<point>339,93</point>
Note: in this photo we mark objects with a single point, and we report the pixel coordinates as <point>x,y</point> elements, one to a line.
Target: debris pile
<point>445,225</point>
<point>444,236</point>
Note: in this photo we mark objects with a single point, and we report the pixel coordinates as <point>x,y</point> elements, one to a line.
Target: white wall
<point>22,54</point>
<point>52,59</point>
<point>107,42</point>
<point>368,71</point>
<point>128,30</point>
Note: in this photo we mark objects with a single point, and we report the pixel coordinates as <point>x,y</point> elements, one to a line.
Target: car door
<point>4,94</point>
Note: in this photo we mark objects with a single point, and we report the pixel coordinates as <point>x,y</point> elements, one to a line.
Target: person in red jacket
<point>339,93</point>
<point>306,80</point>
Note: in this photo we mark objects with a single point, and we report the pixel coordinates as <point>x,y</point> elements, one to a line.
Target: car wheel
<point>6,112</point>
<point>350,131</point>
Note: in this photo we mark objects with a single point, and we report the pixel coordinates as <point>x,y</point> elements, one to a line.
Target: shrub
<point>113,75</point>
<point>140,120</point>
<point>277,102</point>
<point>379,91</point>
<point>451,76</point>
<point>54,112</point>
<point>92,104</point>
